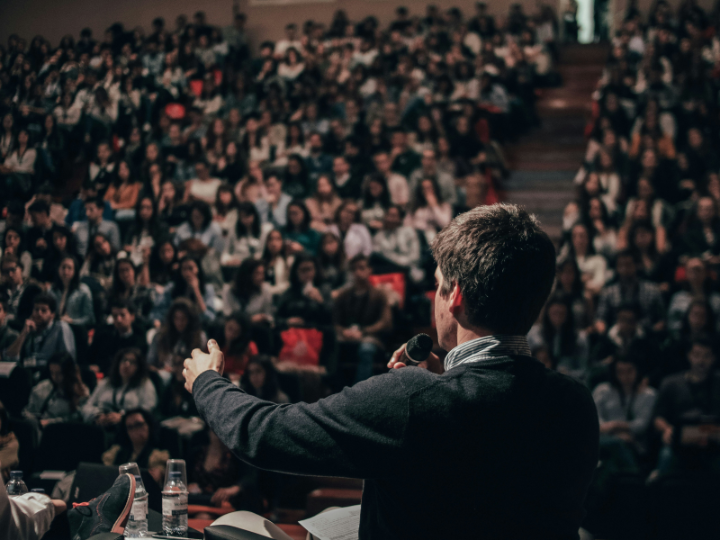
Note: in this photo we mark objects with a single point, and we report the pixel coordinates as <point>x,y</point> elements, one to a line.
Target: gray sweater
<point>497,449</point>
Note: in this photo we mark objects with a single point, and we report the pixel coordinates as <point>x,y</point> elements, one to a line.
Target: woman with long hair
<point>430,214</point>
<point>557,332</point>
<point>298,234</point>
<point>179,334</point>
<point>332,261</point>
<point>170,208</point>
<point>19,166</point>
<point>569,283</point>
<point>354,236</point>
<point>100,261</point>
<point>277,262</point>
<point>604,233</point>
<point>123,191</point>
<point>200,226</point>
<point>137,442</point>
<point>145,231</point>
<point>260,380</point>
<point>323,205</point>
<point>189,282</point>
<point>247,238</point>
<point>237,344</point>
<point>225,210</point>
<point>580,248</point>
<point>74,299</point>
<point>59,398</point>
<point>249,292</point>
<point>163,263</point>
<point>376,200</point>
<point>126,286</point>
<point>14,244</point>
<point>63,244</point>
<point>126,387</point>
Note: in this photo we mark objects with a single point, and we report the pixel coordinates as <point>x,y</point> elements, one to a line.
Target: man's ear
<point>456,300</point>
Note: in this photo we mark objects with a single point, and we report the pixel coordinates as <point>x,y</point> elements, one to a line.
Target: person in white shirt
<point>27,517</point>
<point>290,41</point>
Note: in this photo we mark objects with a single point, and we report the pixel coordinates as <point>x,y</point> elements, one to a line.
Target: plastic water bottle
<point>175,506</point>
<point>16,486</point>
<point>137,525</point>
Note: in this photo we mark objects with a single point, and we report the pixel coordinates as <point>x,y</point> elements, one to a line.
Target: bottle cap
<point>16,474</point>
<point>38,490</point>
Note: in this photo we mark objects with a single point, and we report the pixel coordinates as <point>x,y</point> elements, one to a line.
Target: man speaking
<point>490,445</point>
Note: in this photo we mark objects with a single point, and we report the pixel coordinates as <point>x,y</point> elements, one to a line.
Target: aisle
<point>544,162</point>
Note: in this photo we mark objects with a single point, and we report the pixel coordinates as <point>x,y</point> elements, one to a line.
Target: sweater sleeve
<point>358,433</point>
<point>27,517</point>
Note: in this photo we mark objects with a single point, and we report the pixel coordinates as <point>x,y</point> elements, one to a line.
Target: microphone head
<point>419,347</point>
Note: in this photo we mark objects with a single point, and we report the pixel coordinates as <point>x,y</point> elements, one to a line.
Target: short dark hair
<point>39,206</point>
<point>97,201</point>
<point>46,299</point>
<point>124,303</point>
<point>360,257</point>
<point>503,262</point>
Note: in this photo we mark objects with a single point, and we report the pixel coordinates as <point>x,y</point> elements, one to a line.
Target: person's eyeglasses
<point>8,271</point>
<point>137,425</point>
<point>131,361</point>
<point>255,372</point>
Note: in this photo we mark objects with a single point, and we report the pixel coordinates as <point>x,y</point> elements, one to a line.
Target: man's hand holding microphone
<point>417,353</point>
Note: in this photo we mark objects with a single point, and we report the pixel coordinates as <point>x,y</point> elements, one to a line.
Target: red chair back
<point>394,282</point>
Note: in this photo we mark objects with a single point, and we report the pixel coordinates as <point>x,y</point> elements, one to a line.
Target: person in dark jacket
<point>488,444</point>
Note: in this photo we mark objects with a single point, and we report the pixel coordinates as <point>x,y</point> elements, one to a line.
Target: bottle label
<point>139,511</point>
<point>175,504</point>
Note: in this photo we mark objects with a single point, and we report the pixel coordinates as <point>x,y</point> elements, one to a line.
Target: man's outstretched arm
<point>357,433</point>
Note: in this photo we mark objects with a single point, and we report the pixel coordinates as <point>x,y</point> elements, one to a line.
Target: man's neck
<point>469,334</point>
<point>94,222</point>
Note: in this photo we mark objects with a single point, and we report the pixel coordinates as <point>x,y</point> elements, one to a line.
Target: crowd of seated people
<point>635,310</point>
<point>166,187</point>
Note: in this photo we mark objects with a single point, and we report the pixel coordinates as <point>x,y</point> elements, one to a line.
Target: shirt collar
<point>487,348</point>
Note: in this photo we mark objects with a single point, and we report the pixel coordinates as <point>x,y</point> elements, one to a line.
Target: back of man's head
<point>503,263</point>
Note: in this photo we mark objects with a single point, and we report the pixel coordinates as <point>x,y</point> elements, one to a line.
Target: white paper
<point>340,524</point>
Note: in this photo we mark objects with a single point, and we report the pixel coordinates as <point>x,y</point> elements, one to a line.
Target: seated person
<point>136,442</point>
<point>686,396</point>
<point>7,334</point>
<point>557,332</point>
<point>126,387</point>
<point>625,407</point>
<point>125,286</point>
<point>297,231</point>
<point>20,292</point>
<point>362,318</point>
<point>396,247</point>
<point>625,337</point>
<point>61,397</point>
<point>123,333</point>
<point>698,286</point>
<point>39,236</point>
<point>260,380</point>
<point>630,288</point>
<point>216,476</point>
<point>42,336</point>
<point>249,293</point>
<point>303,304</point>
<point>189,283</point>
<point>75,301</point>
<point>237,345</point>
<point>95,224</point>
<point>247,238</point>
<point>178,336</point>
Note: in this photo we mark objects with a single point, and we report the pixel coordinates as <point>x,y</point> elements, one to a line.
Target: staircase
<point>544,161</point>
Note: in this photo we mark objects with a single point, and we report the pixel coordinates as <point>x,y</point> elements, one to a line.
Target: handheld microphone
<point>417,350</point>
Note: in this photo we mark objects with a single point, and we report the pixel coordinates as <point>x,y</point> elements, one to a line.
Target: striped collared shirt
<point>486,348</point>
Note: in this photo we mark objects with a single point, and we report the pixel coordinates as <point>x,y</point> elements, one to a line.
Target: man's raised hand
<point>202,362</point>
